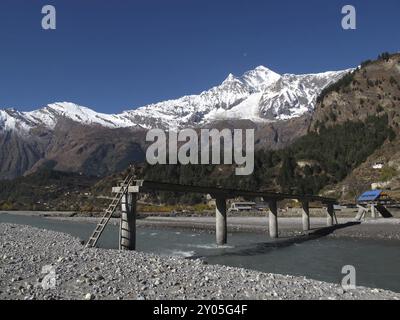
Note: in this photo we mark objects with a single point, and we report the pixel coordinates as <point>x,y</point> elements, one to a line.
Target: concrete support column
<point>221,224</point>
<point>330,213</point>
<point>373,211</point>
<point>306,216</point>
<point>127,232</point>
<point>273,219</point>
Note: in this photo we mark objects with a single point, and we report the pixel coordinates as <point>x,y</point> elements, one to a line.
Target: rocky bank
<point>27,254</point>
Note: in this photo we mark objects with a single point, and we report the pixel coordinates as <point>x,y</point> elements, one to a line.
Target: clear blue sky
<point>117,55</point>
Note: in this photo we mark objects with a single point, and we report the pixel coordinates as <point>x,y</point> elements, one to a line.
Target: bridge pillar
<point>373,211</point>
<point>330,213</point>
<point>305,215</point>
<point>273,219</point>
<point>127,234</point>
<point>221,224</point>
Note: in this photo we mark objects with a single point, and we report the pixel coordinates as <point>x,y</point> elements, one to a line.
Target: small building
<point>373,200</point>
<point>211,202</point>
<point>380,185</point>
<point>242,206</point>
<point>370,196</point>
<point>378,165</point>
<point>374,196</point>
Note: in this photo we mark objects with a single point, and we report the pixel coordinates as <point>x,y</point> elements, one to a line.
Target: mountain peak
<point>67,106</point>
<point>230,78</point>
<point>260,78</point>
<point>262,68</point>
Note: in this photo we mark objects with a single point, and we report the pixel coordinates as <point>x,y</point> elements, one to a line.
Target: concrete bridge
<point>129,195</point>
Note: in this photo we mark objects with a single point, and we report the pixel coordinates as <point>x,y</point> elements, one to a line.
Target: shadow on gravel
<point>265,247</point>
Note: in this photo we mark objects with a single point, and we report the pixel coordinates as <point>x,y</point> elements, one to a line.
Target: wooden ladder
<point>109,212</point>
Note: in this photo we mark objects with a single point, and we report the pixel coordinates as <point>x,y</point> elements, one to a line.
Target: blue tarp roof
<point>370,195</point>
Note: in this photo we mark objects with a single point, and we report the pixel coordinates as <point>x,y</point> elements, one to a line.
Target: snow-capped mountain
<point>68,137</point>
<point>258,95</point>
<point>47,117</point>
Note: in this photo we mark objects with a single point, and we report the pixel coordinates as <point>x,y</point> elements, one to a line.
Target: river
<point>377,262</point>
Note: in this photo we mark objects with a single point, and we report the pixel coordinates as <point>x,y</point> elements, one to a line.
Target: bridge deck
<point>146,185</point>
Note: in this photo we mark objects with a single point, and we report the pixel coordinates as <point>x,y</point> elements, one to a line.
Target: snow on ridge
<point>258,95</point>
<point>321,74</point>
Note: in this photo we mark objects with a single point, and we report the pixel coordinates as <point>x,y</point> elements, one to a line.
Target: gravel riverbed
<point>29,257</point>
